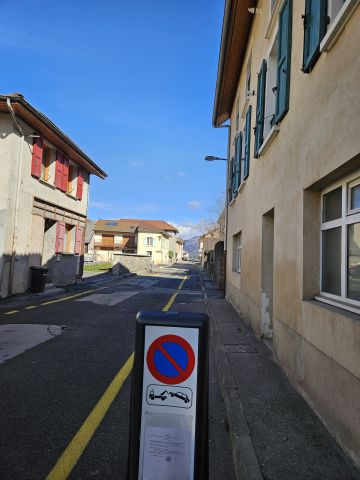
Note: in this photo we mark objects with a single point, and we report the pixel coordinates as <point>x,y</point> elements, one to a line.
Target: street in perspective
<point>55,374</point>
<point>180,240</point>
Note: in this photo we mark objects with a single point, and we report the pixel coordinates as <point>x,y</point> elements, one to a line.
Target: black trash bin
<point>38,279</point>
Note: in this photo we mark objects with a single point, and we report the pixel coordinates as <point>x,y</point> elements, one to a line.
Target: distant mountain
<point>192,246</point>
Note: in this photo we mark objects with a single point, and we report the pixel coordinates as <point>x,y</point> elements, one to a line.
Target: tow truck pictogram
<point>162,395</point>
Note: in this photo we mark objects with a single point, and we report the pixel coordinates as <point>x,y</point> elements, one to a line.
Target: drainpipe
<point>17,195</point>
<point>228,126</point>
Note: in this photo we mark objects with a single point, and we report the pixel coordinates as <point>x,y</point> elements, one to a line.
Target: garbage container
<point>38,279</point>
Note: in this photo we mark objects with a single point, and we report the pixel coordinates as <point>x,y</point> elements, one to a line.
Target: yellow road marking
<point>74,450</point>
<point>68,298</point>
<point>76,447</point>
<point>30,307</point>
<point>182,283</point>
<point>81,293</point>
<point>170,302</point>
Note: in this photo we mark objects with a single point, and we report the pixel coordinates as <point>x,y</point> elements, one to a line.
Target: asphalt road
<point>53,377</point>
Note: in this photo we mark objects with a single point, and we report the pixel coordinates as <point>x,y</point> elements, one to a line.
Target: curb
<point>244,455</point>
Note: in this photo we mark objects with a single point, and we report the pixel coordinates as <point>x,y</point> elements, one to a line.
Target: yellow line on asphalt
<point>173,296</point>
<point>30,307</point>
<point>182,283</point>
<point>81,293</point>
<point>11,312</point>
<point>76,447</point>
<point>170,302</point>
<point>74,450</point>
<point>68,298</point>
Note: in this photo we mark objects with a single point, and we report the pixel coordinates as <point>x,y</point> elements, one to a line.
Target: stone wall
<point>123,262</point>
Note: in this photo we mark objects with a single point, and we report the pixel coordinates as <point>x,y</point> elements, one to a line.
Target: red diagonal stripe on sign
<point>171,360</point>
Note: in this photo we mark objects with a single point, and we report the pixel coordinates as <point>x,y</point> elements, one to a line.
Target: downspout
<point>17,196</point>
<point>228,126</point>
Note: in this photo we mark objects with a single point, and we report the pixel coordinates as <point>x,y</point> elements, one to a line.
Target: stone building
<point>44,189</point>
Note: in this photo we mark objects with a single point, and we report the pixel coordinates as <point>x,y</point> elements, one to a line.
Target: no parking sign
<point>169,427</point>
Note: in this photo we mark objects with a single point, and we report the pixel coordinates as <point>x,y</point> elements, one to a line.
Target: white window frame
<point>348,217</point>
<point>337,24</point>
<point>149,241</point>
<point>237,251</point>
<point>270,132</point>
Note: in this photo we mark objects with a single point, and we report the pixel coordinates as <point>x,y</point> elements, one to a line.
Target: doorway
<point>267,270</point>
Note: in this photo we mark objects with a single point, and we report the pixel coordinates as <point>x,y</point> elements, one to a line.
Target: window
<point>247,140</point>
<point>231,180</point>
<point>334,7</point>
<point>149,241</point>
<point>260,108</point>
<point>315,20</point>
<point>248,77</point>
<point>237,252</point>
<point>340,242</point>
<point>271,88</point>
<point>237,164</point>
<point>69,239</point>
<point>71,179</point>
<point>45,164</point>
<point>149,253</point>
<point>283,61</point>
<point>339,12</point>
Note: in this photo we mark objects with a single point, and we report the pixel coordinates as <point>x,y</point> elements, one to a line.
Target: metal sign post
<point>169,397</point>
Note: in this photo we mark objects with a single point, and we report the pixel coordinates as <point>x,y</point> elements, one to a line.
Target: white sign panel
<point>167,437</point>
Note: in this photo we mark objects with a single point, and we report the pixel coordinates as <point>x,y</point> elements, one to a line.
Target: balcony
<point>109,244</point>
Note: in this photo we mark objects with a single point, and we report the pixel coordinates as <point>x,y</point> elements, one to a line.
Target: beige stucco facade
<point>30,209</point>
<point>154,244</point>
<point>277,212</point>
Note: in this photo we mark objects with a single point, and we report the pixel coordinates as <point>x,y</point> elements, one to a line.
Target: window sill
<point>44,182</point>
<point>242,185</point>
<point>268,140</point>
<point>236,270</point>
<point>338,25</point>
<point>71,195</point>
<point>338,303</point>
<point>273,18</point>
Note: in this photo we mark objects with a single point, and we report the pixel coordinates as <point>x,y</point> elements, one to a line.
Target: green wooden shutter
<point>237,164</point>
<point>260,108</point>
<point>247,143</point>
<point>231,178</point>
<point>284,61</point>
<point>238,160</point>
<point>314,31</point>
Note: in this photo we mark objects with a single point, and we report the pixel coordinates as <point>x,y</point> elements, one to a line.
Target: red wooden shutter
<point>65,174</point>
<point>60,236</point>
<point>58,170</point>
<point>80,183</point>
<point>37,157</point>
<point>78,239</point>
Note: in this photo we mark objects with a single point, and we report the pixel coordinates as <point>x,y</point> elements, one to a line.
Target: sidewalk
<point>274,433</point>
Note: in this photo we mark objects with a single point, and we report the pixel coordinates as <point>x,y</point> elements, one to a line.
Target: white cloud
<point>187,229</point>
<point>136,163</point>
<point>193,205</point>
<point>181,174</point>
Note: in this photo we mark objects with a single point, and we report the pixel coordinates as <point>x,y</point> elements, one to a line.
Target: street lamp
<point>211,158</point>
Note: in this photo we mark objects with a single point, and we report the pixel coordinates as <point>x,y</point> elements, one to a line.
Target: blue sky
<point>132,83</point>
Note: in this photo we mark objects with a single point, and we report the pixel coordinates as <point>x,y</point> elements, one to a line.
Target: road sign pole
<point>169,397</point>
